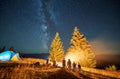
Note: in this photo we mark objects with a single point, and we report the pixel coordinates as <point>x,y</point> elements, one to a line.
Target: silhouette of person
<point>69,64</point>
<point>79,66</point>
<point>54,63</point>
<point>47,61</point>
<point>74,66</point>
<point>63,63</point>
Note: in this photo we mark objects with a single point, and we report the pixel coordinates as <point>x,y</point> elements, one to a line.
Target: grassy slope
<point>115,74</point>
<point>25,69</point>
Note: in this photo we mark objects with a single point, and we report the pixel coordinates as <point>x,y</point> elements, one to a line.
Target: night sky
<point>30,25</point>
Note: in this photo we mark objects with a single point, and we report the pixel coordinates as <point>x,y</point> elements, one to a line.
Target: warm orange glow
<point>75,56</point>
<point>59,64</point>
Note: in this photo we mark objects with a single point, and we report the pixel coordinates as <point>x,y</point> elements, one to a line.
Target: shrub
<point>111,68</point>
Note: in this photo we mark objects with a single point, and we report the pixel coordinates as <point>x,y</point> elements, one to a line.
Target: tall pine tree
<point>56,49</point>
<point>81,50</point>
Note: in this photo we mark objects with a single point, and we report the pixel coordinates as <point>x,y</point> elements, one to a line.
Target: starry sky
<point>30,25</point>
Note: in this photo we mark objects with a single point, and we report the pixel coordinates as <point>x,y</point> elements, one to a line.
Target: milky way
<point>46,22</point>
<point>30,25</point>
<point>31,18</point>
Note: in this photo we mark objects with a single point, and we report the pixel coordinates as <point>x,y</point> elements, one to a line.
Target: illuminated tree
<point>56,49</point>
<point>81,50</point>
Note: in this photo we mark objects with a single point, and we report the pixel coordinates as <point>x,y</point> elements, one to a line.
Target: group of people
<point>70,65</point>
<point>65,64</point>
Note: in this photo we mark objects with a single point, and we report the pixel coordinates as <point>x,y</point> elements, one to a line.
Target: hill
<point>28,69</point>
<point>32,68</point>
<point>103,60</point>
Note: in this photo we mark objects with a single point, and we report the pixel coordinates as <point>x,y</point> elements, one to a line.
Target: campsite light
<point>59,64</point>
<point>74,56</point>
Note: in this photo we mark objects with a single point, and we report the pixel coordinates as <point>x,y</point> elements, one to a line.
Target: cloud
<point>105,45</point>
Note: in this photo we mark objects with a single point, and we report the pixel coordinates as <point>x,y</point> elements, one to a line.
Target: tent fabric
<point>5,55</point>
<point>12,53</point>
<point>8,55</point>
<point>15,57</point>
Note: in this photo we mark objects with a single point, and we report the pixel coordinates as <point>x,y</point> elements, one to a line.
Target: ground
<point>29,68</point>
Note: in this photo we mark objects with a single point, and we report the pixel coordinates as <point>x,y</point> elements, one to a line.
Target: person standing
<point>69,64</point>
<point>79,67</point>
<point>64,63</point>
<point>54,63</point>
<point>74,66</point>
<point>47,61</point>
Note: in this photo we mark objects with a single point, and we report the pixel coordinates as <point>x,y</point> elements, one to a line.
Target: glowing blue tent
<point>8,55</point>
